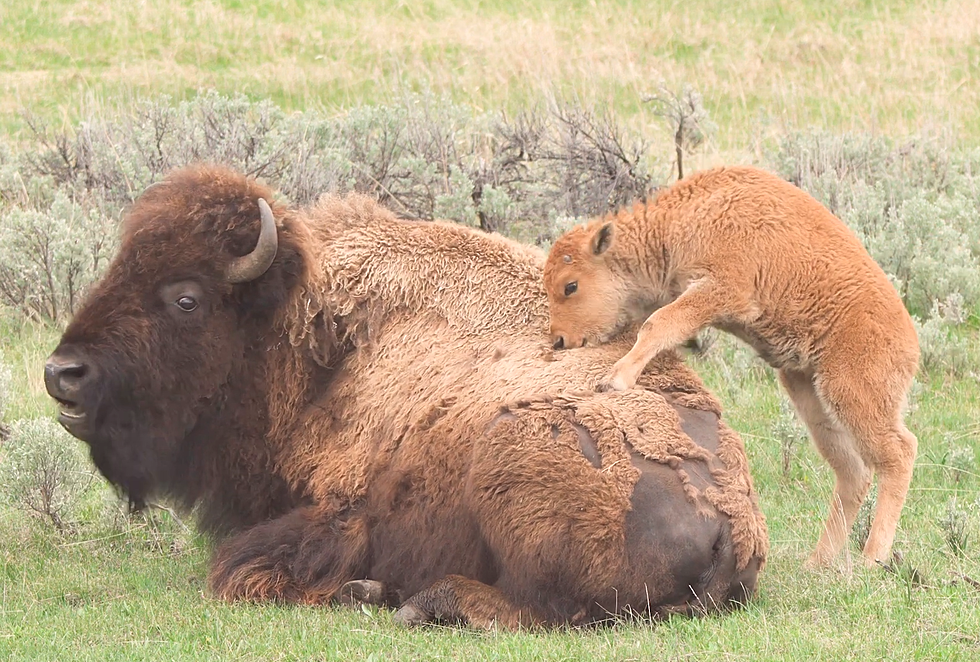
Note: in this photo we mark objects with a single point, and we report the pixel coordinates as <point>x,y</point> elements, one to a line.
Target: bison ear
<point>602,239</point>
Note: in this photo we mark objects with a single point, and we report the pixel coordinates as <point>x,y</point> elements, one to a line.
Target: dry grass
<point>763,66</point>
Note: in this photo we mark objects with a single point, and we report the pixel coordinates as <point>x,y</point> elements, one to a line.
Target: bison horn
<point>249,267</point>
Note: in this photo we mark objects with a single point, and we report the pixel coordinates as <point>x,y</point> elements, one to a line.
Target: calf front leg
<point>697,307</point>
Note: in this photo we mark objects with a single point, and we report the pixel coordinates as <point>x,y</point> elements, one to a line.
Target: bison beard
<point>334,417</point>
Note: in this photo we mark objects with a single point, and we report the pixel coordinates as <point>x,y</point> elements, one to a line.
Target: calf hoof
<point>361,592</point>
<point>816,562</point>
<point>409,616</point>
<point>612,384</point>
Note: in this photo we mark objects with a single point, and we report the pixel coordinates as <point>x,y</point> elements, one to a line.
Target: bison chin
<point>138,462</point>
<point>133,445</point>
<point>131,463</point>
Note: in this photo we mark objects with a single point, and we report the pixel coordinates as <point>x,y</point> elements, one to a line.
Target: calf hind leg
<point>894,456</point>
<point>871,412</point>
<point>852,475</point>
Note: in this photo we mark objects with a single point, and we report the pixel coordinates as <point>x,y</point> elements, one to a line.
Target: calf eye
<point>187,304</point>
<point>570,288</point>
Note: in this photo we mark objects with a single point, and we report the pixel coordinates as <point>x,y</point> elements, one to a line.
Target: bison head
<point>200,271</point>
<point>587,299</point>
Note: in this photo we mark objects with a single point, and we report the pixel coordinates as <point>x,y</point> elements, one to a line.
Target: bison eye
<point>187,304</point>
<point>570,288</point>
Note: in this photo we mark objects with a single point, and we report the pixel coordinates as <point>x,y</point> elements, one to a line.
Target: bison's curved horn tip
<point>249,267</point>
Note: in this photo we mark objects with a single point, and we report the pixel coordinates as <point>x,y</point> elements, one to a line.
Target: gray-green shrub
<point>45,472</point>
<point>955,525</point>
<point>49,256</point>
<point>686,117</point>
<point>914,205</point>
<point>420,155</point>
<point>61,196</point>
<point>942,341</point>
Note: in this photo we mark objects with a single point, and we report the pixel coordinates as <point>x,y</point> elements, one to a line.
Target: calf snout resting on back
<point>744,251</point>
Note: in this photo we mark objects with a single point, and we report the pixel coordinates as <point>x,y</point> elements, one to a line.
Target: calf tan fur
<point>742,250</point>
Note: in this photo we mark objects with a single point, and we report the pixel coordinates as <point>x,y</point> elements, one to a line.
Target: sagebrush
<point>45,472</point>
<point>423,157</point>
<point>530,175</point>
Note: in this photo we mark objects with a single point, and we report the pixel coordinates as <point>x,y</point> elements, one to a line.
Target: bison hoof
<point>409,615</point>
<point>361,592</point>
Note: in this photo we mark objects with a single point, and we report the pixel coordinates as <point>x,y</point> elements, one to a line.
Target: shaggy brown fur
<point>340,415</point>
<point>744,251</point>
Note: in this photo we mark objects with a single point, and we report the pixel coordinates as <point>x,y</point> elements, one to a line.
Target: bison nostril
<point>74,372</point>
<point>560,343</point>
<point>61,378</point>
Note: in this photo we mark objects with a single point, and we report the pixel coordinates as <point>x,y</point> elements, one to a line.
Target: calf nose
<point>63,378</point>
<point>559,343</point>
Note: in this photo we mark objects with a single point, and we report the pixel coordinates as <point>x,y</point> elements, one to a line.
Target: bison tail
<point>725,586</point>
<point>302,557</point>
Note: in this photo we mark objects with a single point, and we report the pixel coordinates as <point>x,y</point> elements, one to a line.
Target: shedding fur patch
<point>646,421</point>
<point>670,376</point>
<point>736,497</point>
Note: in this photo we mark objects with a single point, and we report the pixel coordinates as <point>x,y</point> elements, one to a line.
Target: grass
<point>893,66</point>
<point>116,618</point>
<point>123,599</point>
<point>135,590</point>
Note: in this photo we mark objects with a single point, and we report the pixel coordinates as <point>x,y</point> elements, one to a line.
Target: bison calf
<point>746,252</point>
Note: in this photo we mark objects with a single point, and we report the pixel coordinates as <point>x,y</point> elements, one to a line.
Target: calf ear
<point>602,239</point>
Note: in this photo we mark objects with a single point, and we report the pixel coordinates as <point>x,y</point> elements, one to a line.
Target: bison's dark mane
<point>296,343</point>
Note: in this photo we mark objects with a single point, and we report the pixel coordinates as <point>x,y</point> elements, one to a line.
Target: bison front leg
<point>306,557</point>
<point>463,601</point>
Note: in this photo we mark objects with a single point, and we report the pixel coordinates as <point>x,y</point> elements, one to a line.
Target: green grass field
<point>764,67</point>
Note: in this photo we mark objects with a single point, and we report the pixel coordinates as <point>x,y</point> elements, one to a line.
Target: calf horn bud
<point>249,267</point>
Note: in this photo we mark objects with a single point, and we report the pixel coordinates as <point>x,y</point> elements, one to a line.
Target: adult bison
<point>325,387</point>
